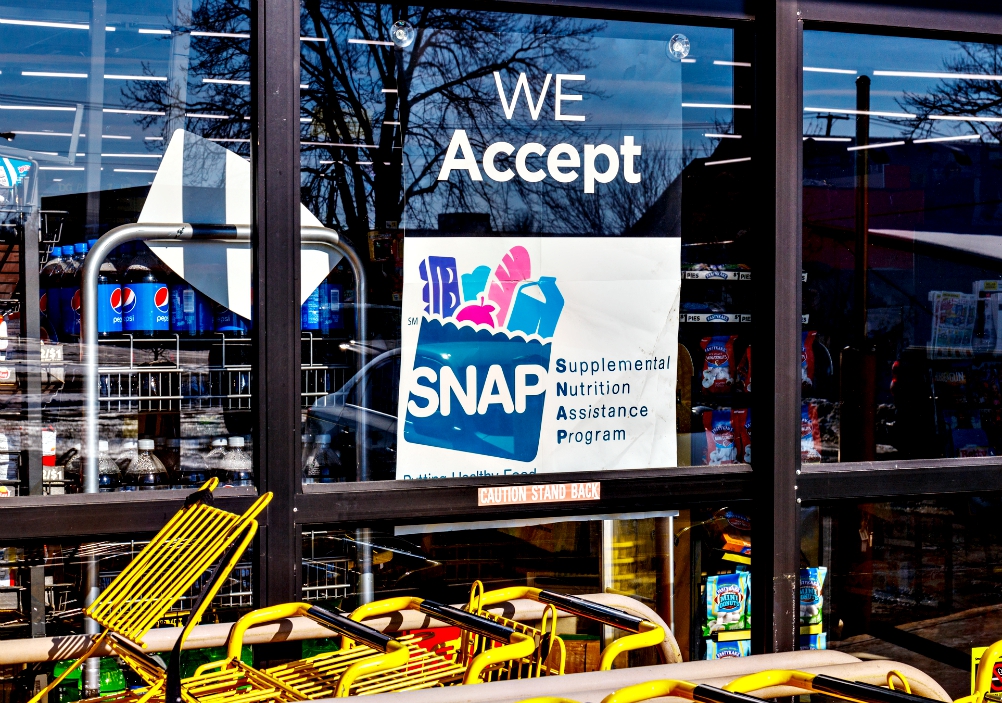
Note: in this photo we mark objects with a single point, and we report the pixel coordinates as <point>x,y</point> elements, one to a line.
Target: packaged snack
<point>744,372</point>
<point>738,545</point>
<point>810,434</point>
<point>741,422</point>
<point>718,363</point>
<point>725,650</point>
<point>811,600</point>
<point>818,641</point>
<point>726,603</point>
<point>720,447</point>
<point>807,361</point>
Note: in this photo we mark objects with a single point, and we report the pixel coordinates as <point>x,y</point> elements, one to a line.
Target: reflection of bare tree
<point>966,97</point>
<point>401,106</point>
<point>216,57</point>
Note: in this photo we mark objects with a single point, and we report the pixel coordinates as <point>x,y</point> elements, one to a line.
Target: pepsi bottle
<point>310,312</point>
<point>231,324</point>
<point>146,299</point>
<point>69,293</point>
<point>48,288</point>
<point>191,313</point>
<point>109,300</point>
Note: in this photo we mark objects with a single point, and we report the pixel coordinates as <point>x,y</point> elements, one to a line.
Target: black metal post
<point>778,163</point>
<point>276,243</point>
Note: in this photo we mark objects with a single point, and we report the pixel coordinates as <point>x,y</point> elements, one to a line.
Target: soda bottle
<point>310,312</point>
<point>109,475</point>
<point>214,459</point>
<point>191,313</point>
<point>194,470</point>
<point>146,305</point>
<point>69,293</point>
<point>333,297</point>
<point>109,300</point>
<point>127,455</point>
<point>236,468</point>
<point>48,291</point>
<point>146,473</point>
<point>306,455</point>
<point>231,324</point>
<point>325,463</point>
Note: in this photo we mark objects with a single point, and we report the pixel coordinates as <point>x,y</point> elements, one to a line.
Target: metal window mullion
<point>778,156</point>
<point>276,242</point>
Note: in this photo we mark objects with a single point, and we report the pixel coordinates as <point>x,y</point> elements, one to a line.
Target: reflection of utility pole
<point>857,441</point>
<point>829,120</point>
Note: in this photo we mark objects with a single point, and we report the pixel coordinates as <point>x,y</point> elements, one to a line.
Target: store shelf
<point>715,317</point>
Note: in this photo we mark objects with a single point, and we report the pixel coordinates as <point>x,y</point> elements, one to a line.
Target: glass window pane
<point>901,224</point>
<point>123,122</point>
<point>550,216</point>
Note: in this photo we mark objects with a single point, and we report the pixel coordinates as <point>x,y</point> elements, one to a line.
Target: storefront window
<point>901,265</point>
<point>121,123</point>
<point>551,218</point>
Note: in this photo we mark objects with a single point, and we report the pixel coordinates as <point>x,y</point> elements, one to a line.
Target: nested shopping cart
<point>983,677</point>
<point>642,633</point>
<point>193,540</point>
<point>368,661</point>
<point>830,686</point>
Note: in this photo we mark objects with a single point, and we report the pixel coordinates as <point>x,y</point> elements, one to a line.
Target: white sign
<point>537,355</point>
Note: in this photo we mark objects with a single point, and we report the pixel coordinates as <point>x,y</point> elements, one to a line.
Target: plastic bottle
<point>237,468</point>
<point>146,307</point>
<point>325,463</point>
<point>231,324</point>
<point>48,292</point>
<point>309,314</point>
<point>69,294</point>
<point>214,459</point>
<point>193,470</point>
<point>109,475</point>
<point>109,300</point>
<point>127,455</point>
<point>306,455</point>
<point>72,465</point>
<point>146,472</point>
<point>191,313</point>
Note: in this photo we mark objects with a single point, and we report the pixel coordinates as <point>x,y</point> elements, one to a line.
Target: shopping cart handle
<point>589,609</point>
<point>340,623</point>
<point>711,694</point>
<point>862,691</point>
<point>467,621</point>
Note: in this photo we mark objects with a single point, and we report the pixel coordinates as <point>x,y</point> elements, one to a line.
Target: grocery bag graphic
<point>482,358</point>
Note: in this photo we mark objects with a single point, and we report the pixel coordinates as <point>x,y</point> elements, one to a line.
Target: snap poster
<point>529,355</point>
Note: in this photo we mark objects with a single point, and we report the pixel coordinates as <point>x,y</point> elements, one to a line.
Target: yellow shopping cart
<point>643,633</point>
<point>195,538</point>
<point>983,677</point>
<point>829,685</point>
<point>656,689</point>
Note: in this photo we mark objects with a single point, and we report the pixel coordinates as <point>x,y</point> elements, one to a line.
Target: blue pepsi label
<point>229,321</point>
<point>109,308</point>
<point>69,311</point>
<point>310,313</point>
<point>146,307</point>
<point>330,307</point>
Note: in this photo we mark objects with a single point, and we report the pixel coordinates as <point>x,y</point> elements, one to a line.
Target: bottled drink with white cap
<point>146,472</point>
<point>214,459</point>
<point>193,470</point>
<point>110,476</point>
<point>237,467</point>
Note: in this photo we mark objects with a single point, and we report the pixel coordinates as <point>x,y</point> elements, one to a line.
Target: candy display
<point>720,444</point>
<point>726,603</point>
<point>811,599</point>
<point>725,650</point>
<point>741,421</point>
<point>744,372</point>
<point>718,363</point>
<point>818,641</point>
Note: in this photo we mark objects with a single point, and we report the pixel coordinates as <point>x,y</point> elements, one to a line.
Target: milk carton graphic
<point>482,357</point>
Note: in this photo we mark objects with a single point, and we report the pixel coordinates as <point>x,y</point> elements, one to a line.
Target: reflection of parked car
<point>337,415</point>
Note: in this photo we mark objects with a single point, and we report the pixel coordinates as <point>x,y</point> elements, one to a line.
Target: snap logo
<point>483,353</point>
